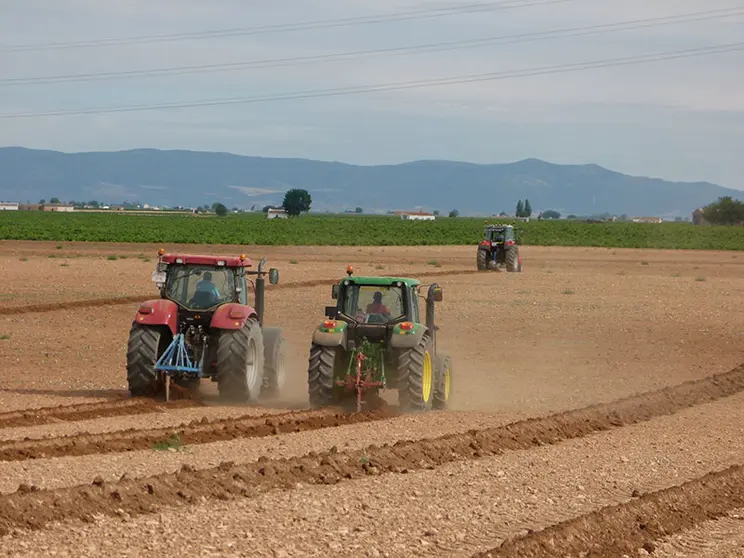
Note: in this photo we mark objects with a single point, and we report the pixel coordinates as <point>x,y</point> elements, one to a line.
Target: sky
<point>679,119</point>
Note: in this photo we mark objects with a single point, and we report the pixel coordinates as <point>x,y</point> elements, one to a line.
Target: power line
<point>286,28</point>
<point>431,47</point>
<point>415,49</point>
<point>398,86</point>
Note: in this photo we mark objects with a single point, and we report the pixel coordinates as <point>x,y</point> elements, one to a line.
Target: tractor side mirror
<point>437,294</point>
<point>273,276</point>
<point>334,292</point>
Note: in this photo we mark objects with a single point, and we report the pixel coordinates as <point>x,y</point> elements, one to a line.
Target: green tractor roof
<point>381,281</point>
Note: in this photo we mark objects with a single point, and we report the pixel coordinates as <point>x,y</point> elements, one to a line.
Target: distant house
<point>698,218</point>
<point>8,206</point>
<point>647,220</point>
<point>416,216</point>
<point>59,207</point>
<point>30,207</point>
<point>276,214</point>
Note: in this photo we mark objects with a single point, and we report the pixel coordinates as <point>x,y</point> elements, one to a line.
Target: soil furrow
<point>86,411</point>
<point>195,432</point>
<point>133,299</point>
<point>624,529</point>
<point>32,508</point>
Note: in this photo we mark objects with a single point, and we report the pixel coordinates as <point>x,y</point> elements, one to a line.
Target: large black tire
<point>443,390</point>
<point>240,362</point>
<point>416,377</point>
<point>275,375</point>
<point>322,364</point>
<point>512,257</point>
<point>481,260</point>
<point>146,344</point>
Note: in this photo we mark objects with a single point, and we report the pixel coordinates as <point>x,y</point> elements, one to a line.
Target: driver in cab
<point>376,306</point>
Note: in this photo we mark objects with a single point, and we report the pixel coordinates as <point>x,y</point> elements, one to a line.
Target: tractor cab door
<point>243,285</point>
<point>509,236</point>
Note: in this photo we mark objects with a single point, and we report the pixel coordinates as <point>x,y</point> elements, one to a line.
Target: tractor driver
<point>206,286</point>
<point>377,307</point>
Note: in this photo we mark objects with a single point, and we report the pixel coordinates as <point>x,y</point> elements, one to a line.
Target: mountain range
<point>195,178</point>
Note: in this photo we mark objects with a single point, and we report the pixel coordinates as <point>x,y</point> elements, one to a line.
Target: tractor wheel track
<point>134,299</point>
<point>31,508</point>
<point>86,411</point>
<point>621,530</point>
<point>195,432</point>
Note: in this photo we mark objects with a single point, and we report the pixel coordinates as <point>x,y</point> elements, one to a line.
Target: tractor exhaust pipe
<point>260,289</point>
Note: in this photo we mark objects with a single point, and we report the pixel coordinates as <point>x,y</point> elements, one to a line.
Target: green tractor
<point>374,339</point>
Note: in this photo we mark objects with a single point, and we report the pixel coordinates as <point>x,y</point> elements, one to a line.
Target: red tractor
<point>498,249</point>
<point>203,326</point>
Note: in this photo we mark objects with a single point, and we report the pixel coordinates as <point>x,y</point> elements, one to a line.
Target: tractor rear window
<point>374,304</point>
<point>200,287</point>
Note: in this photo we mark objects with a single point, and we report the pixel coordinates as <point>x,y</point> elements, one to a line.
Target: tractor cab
<point>373,306</point>
<point>500,235</point>
<point>204,283</point>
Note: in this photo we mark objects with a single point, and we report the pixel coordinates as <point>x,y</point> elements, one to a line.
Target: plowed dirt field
<point>598,411</point>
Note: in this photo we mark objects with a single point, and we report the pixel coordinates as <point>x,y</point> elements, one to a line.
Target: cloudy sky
<point>680,119</point>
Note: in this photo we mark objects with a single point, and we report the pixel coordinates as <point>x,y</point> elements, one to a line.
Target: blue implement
<point>175,359</point>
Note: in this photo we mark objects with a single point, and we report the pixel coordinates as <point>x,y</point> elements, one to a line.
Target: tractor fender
<point>484,245</point>
<point>402,339</point>
<point>158,312</point>
<point>232,316</point>
<point>329,338</point>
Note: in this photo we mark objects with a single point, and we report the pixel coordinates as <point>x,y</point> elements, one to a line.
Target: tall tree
<point>520,209</point>
<point>297,201</point>
<point>527,208</point>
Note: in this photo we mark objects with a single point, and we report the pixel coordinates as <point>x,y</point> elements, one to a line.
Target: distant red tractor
<point>203,326</point>
<point>499,249</point>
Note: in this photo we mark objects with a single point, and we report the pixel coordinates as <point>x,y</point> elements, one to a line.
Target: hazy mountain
<point>193,178</point>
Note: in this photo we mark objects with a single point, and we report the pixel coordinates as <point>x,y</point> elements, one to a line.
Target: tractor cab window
<point>495,235</point>
<point>200,287</point>
<point>373,304</point>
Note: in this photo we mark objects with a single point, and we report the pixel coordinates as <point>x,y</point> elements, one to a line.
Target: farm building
<point>8,206</point>
<point>416,216</point>
<point>276,214</point>
<point>59,207</point>
<point>647,220</point>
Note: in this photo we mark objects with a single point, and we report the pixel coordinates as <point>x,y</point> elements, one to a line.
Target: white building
<point>276,214</point>
<point>8,206</point>
<point>417,216</point>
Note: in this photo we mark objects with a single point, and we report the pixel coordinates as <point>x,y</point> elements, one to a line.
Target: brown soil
<point>197,432</point>
<point>33,508</point>
<point>87,411</point>
<point>579,328</point>
<point>621,530</point>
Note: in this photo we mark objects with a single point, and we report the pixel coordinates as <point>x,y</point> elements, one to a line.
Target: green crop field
<point>349,230</point>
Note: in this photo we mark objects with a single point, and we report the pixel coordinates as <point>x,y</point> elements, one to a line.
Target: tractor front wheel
<point>240,362</point>
<point>416,377</point>
<point>481,260</point>
<point>443,390</point>
<point>146,345</point>
<point>321,374</point>
<point>274,373</point>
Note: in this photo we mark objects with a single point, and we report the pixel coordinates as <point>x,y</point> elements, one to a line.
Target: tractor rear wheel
<point>274,372</point>
<point>416,377</point>
<point>240,362</point>
<point>512,257</point>
<point>481,260</point>
<point>146,344</point>
<point>443,389</point>
<point>321,374</point>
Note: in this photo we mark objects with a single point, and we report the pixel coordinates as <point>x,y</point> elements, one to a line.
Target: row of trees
<point>724,211</point>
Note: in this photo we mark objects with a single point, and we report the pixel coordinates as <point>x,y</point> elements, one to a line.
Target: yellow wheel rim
<point>447,384</point>
<point>426,378</point>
